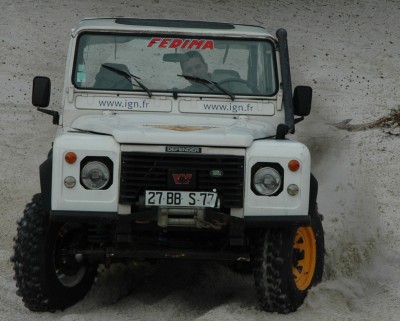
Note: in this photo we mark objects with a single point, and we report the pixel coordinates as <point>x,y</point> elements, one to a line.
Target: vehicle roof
<point>201,28</point>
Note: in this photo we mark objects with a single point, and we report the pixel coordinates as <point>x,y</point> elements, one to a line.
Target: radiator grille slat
<point>145,171</point>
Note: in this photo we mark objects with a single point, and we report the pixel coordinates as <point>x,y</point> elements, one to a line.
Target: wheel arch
<point>313,195</point>
<point>45,171</point>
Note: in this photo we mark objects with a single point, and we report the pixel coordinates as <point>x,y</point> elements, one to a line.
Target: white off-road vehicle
<point>172,144</point>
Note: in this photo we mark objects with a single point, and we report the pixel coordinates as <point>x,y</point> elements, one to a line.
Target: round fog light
<point>293,190</point>
<point>69,182</point>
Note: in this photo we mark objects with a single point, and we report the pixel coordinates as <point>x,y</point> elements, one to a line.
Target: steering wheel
<point>239,80</point>
<point>122,84</point>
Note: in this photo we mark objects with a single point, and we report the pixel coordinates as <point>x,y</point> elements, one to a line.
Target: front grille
<point>149,171</point>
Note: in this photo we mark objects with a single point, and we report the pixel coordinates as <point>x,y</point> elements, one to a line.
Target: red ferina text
<point>198,44</point>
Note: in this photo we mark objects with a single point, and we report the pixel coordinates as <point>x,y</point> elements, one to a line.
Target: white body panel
<point>112,122</point>
<point>271,151</point>
<point>79,198</point>
<point>178,129</point>
<point>281,152</point>
<point>108,24</point>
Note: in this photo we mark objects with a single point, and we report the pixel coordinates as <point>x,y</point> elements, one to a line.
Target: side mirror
<point>41,91</point>
<point>302,100</point>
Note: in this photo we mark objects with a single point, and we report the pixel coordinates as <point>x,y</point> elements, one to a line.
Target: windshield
<point>151,64</point>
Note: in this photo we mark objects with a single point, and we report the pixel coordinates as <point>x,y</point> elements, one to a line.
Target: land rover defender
<point>172,143</point>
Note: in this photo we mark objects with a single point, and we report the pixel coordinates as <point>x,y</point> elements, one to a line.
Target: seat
<point>219,75</point>
<point>231,81</point>
<point>108,79</point>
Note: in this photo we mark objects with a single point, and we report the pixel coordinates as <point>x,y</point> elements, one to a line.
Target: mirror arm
<point>298,120</point>
<point>54,113</point>
<point>281,131</point>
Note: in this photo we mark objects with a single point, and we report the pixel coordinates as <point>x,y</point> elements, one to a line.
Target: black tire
<point>241,267</point>
<point>286,264</point>
<point>47,277</point>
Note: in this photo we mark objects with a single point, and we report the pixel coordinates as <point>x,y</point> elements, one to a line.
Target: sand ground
<point>347,51</point>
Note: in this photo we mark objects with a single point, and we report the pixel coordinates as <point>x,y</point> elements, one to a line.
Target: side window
<point>262,68</point>
<point>270,83</point>
<point>234,62</point>
<point>92,53</point>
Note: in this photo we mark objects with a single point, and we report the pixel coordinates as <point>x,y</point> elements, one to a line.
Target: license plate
<point>175,198</point>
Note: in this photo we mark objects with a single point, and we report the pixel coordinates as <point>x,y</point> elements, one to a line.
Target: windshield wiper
<point>208,82</point>
<point>128,76</point>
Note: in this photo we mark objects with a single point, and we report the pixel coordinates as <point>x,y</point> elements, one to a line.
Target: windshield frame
<point>139,91</point>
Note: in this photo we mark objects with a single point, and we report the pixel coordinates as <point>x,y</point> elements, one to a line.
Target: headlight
<point>267,181</point>
<point>95,175</point>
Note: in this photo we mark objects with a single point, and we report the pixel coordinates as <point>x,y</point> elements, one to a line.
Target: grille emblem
<point>182,179</point>
<point>216,173</point>
<point>183,149</point>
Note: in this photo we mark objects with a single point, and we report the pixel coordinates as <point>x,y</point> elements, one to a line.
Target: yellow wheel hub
<point>304,257</point>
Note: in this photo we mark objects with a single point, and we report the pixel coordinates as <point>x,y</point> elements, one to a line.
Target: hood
<point>175,129</point>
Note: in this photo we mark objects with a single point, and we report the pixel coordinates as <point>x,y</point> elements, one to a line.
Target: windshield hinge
<point>279,101</point>
<point>71,94</point>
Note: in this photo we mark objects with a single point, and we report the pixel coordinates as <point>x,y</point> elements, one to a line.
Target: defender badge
<point>183,149</point>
